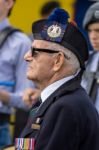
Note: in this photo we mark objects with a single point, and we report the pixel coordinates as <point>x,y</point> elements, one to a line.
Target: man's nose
<point>28,56</point>
<point>93,35</point>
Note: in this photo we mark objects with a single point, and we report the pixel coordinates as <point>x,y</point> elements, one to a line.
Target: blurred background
<point>27,11</point>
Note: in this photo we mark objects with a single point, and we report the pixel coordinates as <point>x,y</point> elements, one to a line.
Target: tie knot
<point>40,100</point>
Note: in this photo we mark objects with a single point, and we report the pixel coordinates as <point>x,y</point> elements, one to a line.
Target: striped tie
<point>35,107</point>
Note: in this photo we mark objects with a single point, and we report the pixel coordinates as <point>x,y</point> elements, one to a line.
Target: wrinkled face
<point>93,32</point>
<point>41,64</point>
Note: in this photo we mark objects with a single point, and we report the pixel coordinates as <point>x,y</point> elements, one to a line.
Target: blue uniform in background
<point>12,69</point>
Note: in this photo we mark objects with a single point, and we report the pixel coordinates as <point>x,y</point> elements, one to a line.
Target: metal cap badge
<point>55,26</point>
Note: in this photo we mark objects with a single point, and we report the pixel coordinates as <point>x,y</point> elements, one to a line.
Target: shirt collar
<point>54,86</point>
<point>5,23</point>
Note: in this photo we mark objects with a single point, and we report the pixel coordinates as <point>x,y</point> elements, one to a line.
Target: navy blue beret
<point>58,29</point>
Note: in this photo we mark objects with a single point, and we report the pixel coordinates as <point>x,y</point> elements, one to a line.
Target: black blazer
<point>67,120</point>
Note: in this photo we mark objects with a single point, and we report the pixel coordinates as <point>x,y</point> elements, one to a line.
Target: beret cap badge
<point>54,31</point>
<point>56,28</point>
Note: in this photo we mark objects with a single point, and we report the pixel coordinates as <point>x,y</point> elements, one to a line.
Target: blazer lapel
<point>67,87</point>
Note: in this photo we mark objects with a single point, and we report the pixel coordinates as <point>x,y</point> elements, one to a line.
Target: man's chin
<point>96,48</point>
<point>31,78</point>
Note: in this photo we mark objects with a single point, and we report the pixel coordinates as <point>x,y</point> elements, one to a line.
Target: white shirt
<point>54,86</point>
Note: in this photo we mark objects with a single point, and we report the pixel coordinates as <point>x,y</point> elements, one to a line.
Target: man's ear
<point>59,61</point>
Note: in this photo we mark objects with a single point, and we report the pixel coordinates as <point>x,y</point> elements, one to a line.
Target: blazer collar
<point>67,87</point>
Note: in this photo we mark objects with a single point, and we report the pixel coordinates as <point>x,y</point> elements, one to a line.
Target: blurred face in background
<point>5,6</point>
<point>93,32</point>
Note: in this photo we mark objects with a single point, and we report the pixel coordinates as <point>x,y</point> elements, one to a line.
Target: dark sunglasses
<point>33,50</point>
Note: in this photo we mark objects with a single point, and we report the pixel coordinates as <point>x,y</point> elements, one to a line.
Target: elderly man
<point>66,118</point>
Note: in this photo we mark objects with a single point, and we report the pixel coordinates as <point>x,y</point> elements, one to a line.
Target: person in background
<point>66,118</point>
<point>12,70</point>
<point>48,7</point>
<point>90,79</point>
<point>45,10</point>
<point>31,95</point>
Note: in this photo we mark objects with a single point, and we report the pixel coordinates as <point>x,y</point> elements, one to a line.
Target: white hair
<point>73,61</point>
